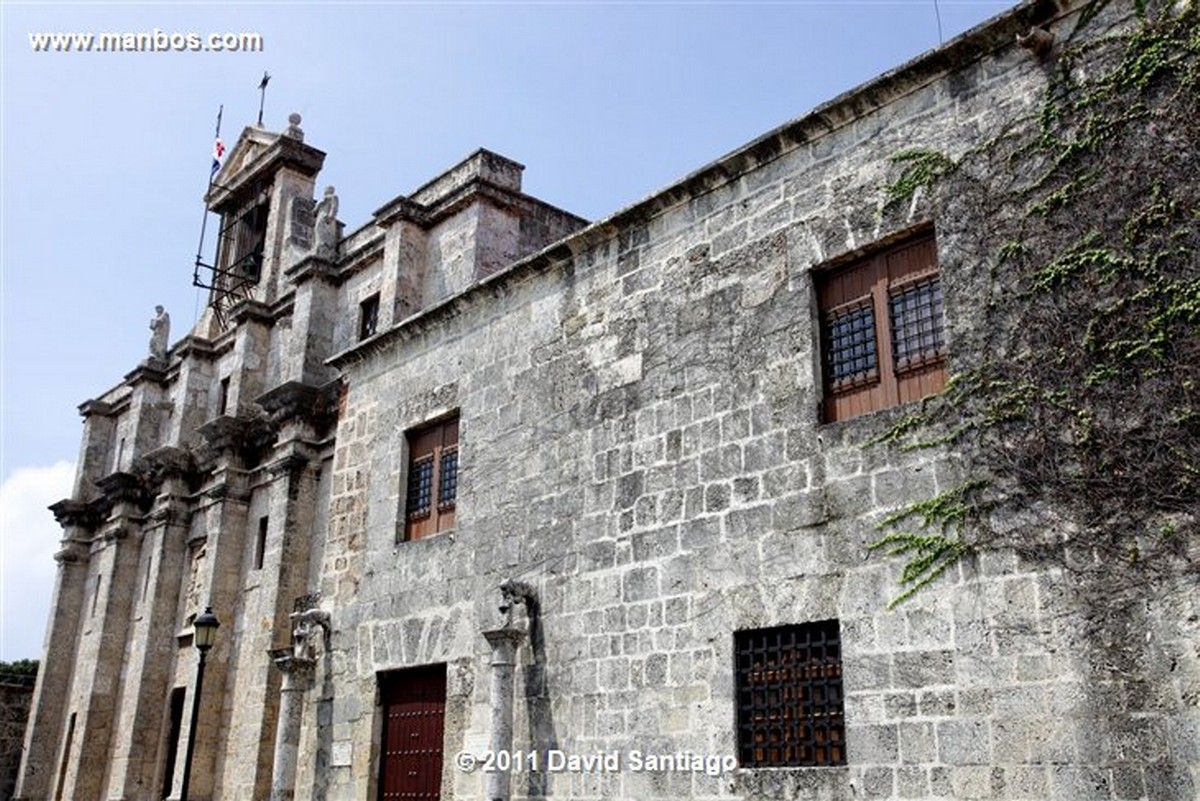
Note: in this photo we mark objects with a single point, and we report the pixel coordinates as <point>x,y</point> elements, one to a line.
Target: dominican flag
<point>218,152</point>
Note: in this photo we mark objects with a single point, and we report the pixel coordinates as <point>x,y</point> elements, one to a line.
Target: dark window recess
<point>223,397</point>
<point>260,543</point>
<point>789,696</point>
<point>66,757</point>
<point>882,331</point>
<point>432,479</point>
<point>172,750</point>
<point>245,236</point>
<point>368,317</point>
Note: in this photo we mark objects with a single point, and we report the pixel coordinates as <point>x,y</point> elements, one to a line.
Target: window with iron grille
<point>368,317</point>
<point>789,696</point>
<point>432,479</point>
<point>882,332</point>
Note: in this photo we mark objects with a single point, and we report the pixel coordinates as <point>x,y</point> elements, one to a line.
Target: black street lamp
<point>204,629</point>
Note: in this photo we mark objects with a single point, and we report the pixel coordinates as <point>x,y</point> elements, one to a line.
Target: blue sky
<point>104,158</point>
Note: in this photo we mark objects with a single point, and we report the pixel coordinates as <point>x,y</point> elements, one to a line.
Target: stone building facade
<point>485,477</point>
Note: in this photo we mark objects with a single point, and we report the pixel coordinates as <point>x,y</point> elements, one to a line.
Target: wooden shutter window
<point>432,479</point>
<point>882,329</point>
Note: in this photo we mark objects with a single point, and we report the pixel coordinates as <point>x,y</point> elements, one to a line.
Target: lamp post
<point>205,633</point>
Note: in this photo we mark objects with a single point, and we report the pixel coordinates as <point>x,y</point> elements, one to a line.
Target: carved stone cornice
<point>122,487</point>
<point>402,208</point>
<point>249,309</point>
<point>83,514</point>
<point>296,400</point>
<point>290,465</point>
<point>152,371</point>
<point>312,268</point>
<point>195,347</point>
<point>244,437</point>
<point>168,462</point>
<point>95,408</point>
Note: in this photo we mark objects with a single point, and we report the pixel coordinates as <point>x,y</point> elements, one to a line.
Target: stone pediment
<point>255,158</point>
<point>252,143</point>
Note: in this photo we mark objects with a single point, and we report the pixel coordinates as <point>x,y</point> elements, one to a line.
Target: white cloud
<point>29,536</point>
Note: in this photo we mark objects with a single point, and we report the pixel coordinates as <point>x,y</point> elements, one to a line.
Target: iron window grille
<point>790,710</point>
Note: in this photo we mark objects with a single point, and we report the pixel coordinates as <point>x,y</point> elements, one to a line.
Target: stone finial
<point>1037,40</point>
<point>294,131</point>
<point>160,333</point>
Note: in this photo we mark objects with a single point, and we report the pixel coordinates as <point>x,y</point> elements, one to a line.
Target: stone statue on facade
<point>327,225</point>
<point>160,333</point>
<point>307,626</point>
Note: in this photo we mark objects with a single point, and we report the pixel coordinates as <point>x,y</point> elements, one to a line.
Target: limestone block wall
<point>640,439</point>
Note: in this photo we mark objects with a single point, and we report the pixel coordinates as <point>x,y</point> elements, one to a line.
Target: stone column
<point>504,642</point>
<point>297,678</point>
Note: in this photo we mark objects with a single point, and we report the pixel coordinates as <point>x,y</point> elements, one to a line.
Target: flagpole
<point>212,174</point>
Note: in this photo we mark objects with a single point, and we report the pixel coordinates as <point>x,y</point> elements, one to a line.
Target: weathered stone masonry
<point>640,441</point>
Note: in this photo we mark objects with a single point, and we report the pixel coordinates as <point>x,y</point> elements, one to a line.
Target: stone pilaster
<point>95,693</point>
<point>51,707</point>
<point>216,546</point>
<point>314,311</point>
<point>148,668</point>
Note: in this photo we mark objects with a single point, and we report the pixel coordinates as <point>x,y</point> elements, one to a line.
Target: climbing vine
<point>1076,388</point>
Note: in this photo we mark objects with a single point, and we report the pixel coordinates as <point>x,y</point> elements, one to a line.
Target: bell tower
<point>253,193</point>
